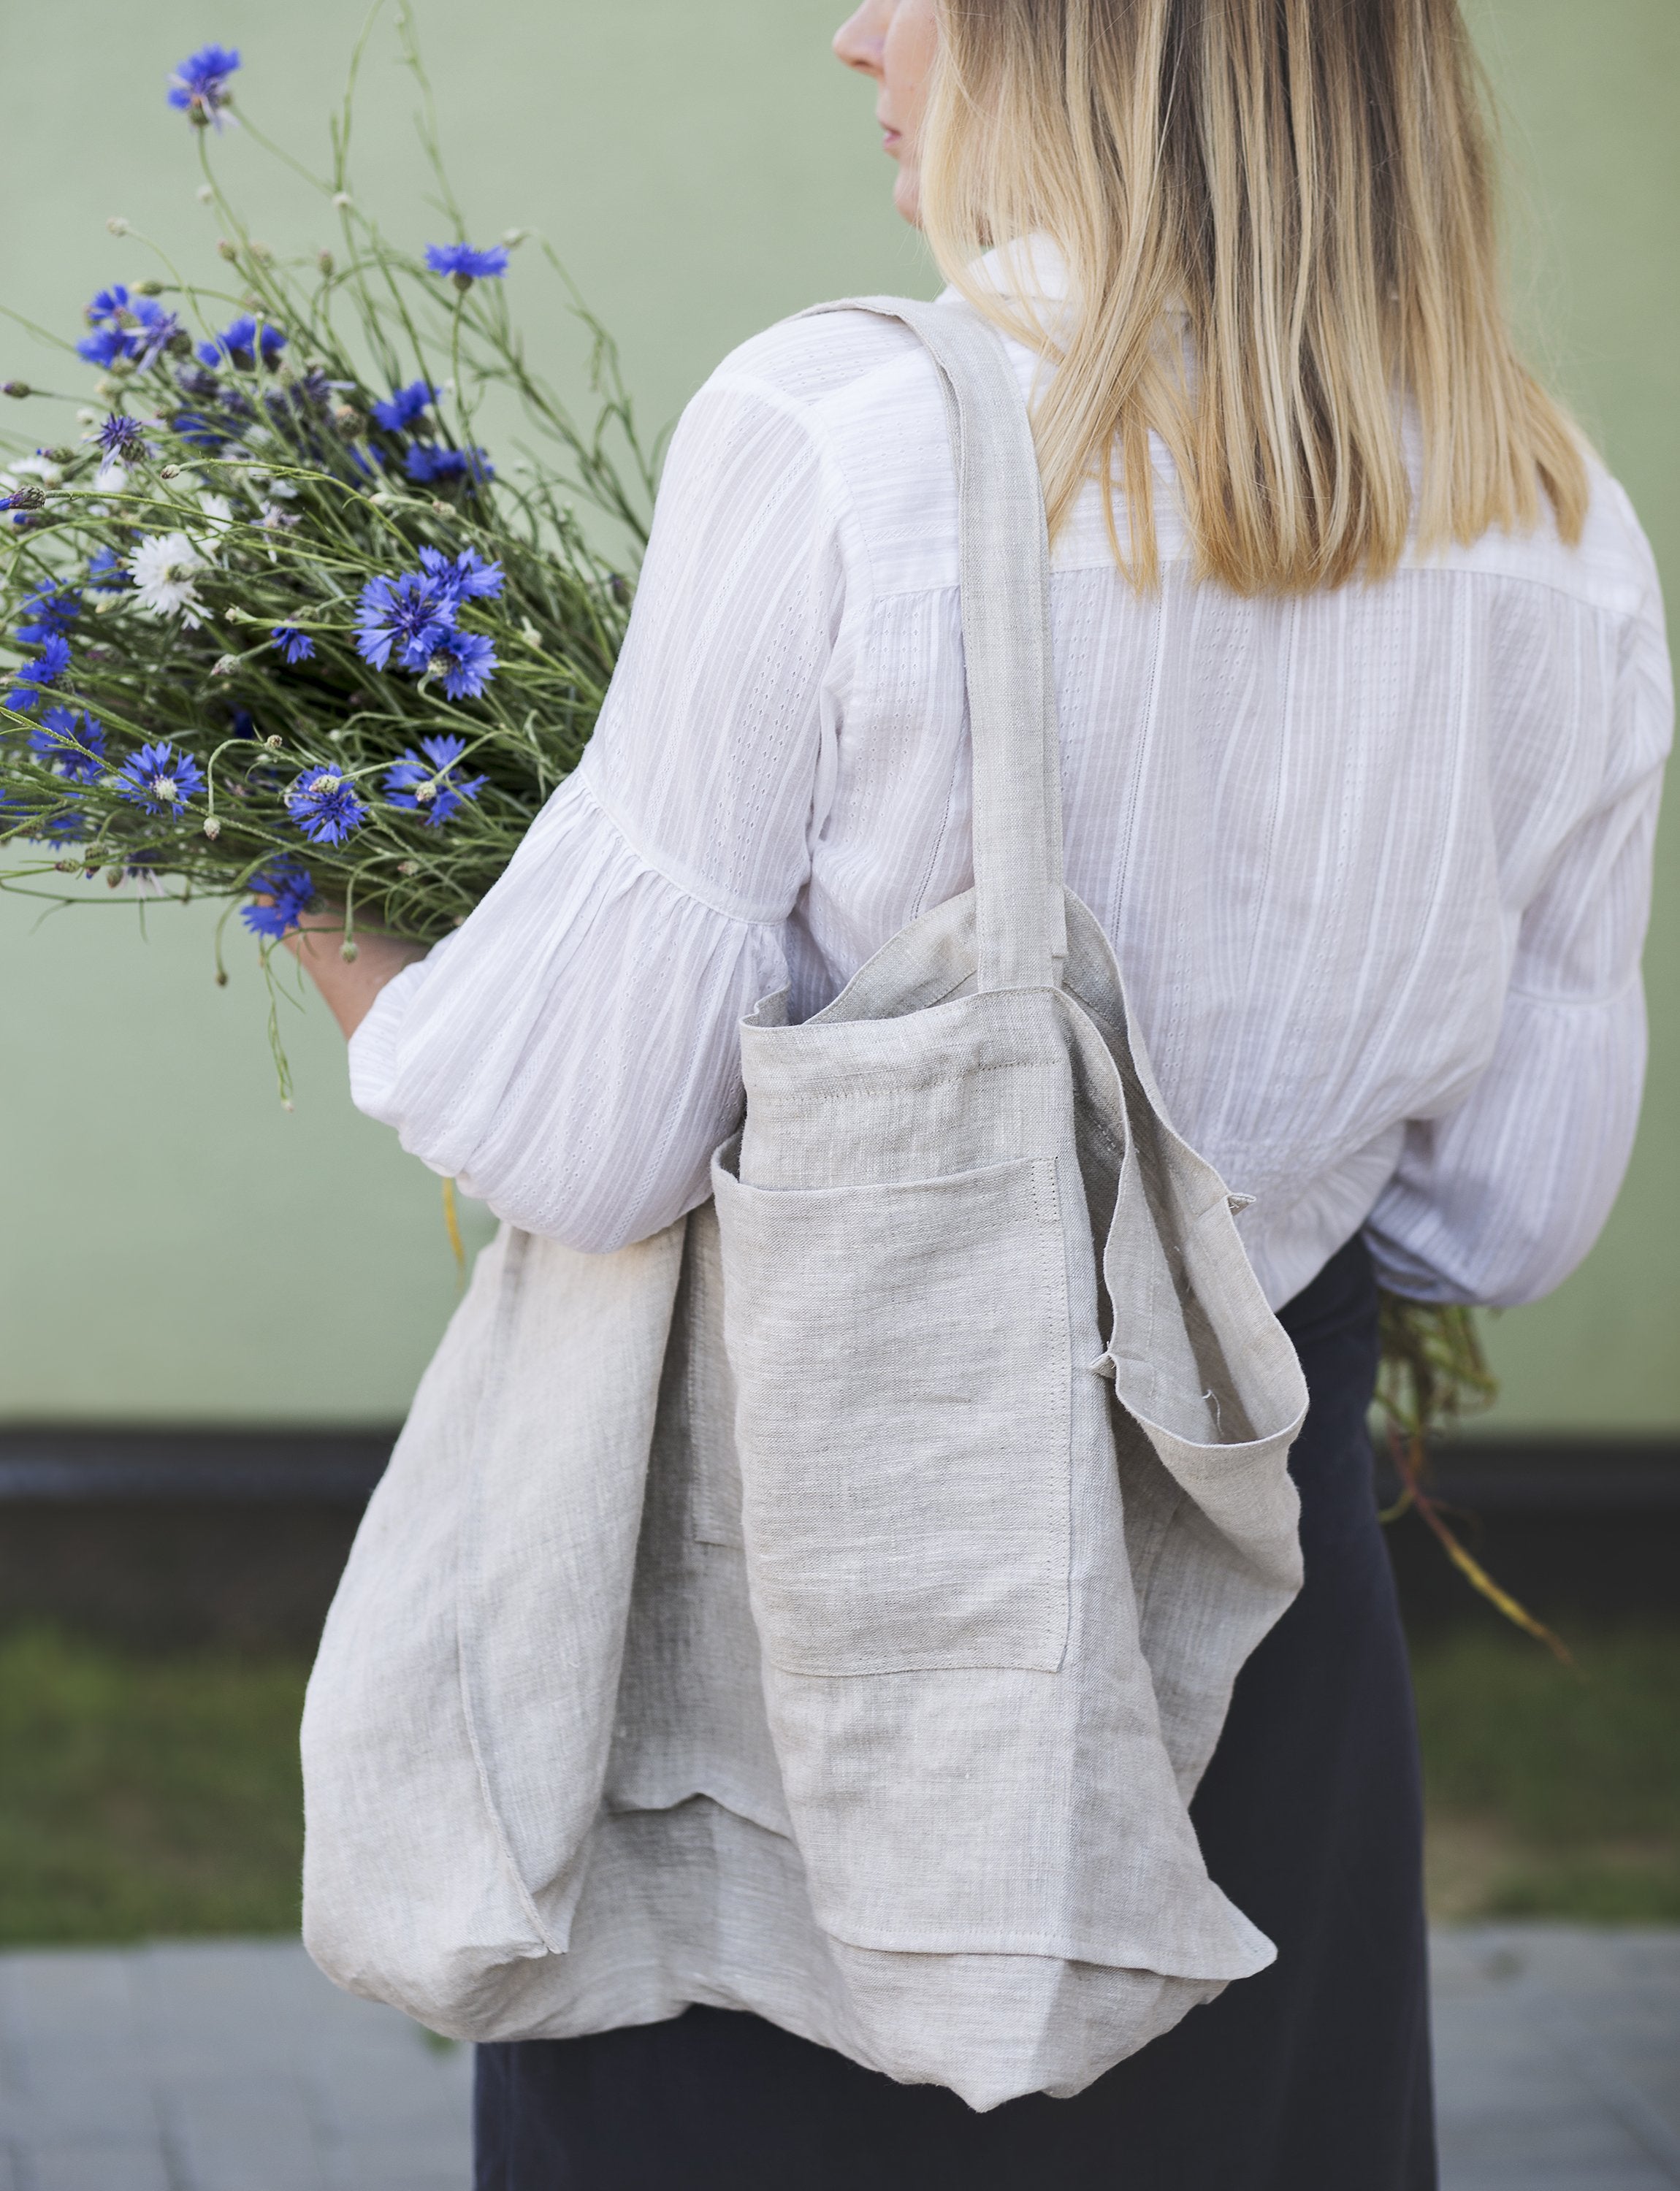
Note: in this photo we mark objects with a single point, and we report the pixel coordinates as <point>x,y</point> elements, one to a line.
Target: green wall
<point>1590,89</point>
<point>176,1247</point>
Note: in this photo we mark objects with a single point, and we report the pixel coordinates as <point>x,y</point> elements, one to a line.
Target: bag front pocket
<point>903,1359</point>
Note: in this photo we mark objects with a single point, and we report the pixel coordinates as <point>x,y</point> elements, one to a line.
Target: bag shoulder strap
<point>1020,917</point>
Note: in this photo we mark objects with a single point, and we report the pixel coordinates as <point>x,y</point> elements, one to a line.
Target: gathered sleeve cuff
<point>572,1055</point>
<point>1500,1200</point>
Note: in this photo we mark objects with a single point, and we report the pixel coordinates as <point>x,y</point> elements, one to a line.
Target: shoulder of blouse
<point>863,390</point>
<point>814,361</point>
<point>1614,534</point>
<point>1610,568</point>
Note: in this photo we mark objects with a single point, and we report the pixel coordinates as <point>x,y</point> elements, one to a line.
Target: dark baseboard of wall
<point>165,1537</point>
<point>162,1574</point>
<point>1576,1531</point>
<point>60,1464</point>
<point>1552,1475</point>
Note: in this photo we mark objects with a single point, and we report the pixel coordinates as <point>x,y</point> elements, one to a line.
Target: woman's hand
<point>350,985</point>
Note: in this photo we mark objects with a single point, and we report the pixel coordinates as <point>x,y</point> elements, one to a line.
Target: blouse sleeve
<point>571,1055</point>
<point>1498,1200</point>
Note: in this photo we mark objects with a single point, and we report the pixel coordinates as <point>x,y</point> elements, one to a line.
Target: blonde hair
<point>1311,183</point>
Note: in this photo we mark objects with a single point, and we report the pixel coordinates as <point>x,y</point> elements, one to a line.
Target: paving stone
<point>234,2066</point>
<point>1557,2059</point>
<point>97,2168</point>
<point>217,2066</point>
<point>75,2071</point>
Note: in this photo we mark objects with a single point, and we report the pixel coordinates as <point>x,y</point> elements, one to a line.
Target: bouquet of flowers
<point>280,631</point>
<point>278,628</point>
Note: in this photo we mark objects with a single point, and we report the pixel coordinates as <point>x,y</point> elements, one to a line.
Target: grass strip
<point>147,1795</point>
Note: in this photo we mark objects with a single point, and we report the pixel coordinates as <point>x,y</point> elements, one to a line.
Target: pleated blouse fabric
<point>1375,863</point>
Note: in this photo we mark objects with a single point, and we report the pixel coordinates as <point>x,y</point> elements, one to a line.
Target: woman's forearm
<point>350,985</point>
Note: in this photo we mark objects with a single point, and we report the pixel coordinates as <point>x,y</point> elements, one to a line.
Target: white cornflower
<point>165,566</point>
<point>217,507</point>
<point>20,468</point>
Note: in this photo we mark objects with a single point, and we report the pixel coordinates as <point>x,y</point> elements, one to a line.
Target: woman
<point>1364,700</point>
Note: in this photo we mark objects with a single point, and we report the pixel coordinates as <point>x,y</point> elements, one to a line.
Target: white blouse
<point>1375,863</point>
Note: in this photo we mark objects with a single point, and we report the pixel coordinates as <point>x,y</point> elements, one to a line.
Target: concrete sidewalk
<point>232,2066</point>
<point>1557,2059</point>
<point>218,2066</point>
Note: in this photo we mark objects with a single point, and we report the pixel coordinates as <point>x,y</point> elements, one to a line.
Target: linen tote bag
<point>999,1469</point>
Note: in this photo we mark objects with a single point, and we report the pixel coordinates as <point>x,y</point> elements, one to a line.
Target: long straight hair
<point>1310,185</point>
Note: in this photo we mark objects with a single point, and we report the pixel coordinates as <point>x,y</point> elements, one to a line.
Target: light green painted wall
<point>175,1247</point>
<point>1590,89</point>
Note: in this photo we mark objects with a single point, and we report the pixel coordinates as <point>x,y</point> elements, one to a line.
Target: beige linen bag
<point>1005,1487</point>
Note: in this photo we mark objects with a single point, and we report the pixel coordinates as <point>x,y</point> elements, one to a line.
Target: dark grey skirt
<point>1313,2076</point>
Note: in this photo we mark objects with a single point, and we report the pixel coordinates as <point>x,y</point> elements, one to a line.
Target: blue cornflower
<point>324,806</point>
<point>294,646</point>
<point>104,347</point>
<point>125,326</point>
<point>463,264</point>
<point>431,786</point>
<point>427,466</point>
<point>309,391</point>
<point>155,333</point>
<point>199,86</point>
<point>106,573</point>
<point>404,405</point>
<point>406,614</point>
<point>244,723</point>
<point>466,662</point>
<point>57,742</point>
<point>239,344</point>
<point>409,621</point>
<point>292,889</point>
<point>203,433</point>
<point>23,818</point>
<point>109,315</point>
<point>68,824</point>
<point>160,779</point>
<point>463,577</point>
<point>52,609</point>
<point>54,659</point>
<point>35,676</point>
<point>120,439</point>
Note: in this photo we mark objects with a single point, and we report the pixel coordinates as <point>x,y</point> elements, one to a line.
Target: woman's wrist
<point>349,985</point>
